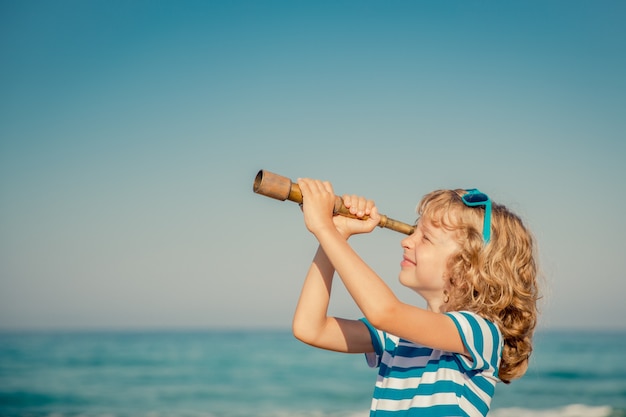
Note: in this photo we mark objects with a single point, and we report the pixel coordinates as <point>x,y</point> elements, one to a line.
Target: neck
<point>436,306</point>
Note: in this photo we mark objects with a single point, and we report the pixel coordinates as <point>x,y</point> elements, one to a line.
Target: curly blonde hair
<point>497,280</point>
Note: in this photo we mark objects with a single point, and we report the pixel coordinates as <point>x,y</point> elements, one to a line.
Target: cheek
<point>434,265</point>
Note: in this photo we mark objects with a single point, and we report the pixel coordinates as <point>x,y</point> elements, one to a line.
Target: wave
<point>572,410</point>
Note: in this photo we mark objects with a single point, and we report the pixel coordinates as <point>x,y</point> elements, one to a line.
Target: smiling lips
<point>406,262</point>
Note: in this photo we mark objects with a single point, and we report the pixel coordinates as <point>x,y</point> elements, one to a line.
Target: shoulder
<point>481,337</point>
<point>468,322</point>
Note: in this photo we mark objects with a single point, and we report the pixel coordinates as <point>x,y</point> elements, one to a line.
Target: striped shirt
<point>415,380</point>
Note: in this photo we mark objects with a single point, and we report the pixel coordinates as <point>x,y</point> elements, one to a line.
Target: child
<point>470,259</point>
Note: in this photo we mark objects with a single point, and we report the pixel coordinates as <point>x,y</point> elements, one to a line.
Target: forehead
<point>442,216</point>
<point>437,229</point>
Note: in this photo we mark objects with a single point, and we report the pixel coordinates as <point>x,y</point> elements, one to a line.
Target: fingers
<point>315,187</point>
<point>358,206</point>
<point>316,193</point>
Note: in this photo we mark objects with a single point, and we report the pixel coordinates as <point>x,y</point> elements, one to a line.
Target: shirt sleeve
<point>482,339</point>
<point>373,358</point>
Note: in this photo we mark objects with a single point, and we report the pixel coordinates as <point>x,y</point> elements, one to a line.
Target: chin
<point>406,282</point>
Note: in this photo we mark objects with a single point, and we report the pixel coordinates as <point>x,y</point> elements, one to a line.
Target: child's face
<point>425,257</point>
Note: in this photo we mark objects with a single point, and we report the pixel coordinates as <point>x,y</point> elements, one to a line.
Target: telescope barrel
<point>282,188</point>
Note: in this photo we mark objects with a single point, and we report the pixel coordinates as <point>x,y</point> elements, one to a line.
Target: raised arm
<point>311,323</point>
<point>372,295</point>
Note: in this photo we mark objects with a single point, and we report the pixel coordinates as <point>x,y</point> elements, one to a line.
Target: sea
<point>268,373</point>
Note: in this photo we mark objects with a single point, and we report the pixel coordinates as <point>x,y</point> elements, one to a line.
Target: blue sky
<point>131,132</point>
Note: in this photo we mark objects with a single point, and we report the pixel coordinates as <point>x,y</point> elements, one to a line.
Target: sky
<point>131,133</point>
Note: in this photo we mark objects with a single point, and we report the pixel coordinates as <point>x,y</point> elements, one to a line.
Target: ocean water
<point>270,374</point>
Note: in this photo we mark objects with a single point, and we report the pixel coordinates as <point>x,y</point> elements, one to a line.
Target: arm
<point>311,323</point>
<point>375,299</point>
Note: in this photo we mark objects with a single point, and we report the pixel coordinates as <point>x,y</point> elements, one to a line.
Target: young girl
<point>472,261</point>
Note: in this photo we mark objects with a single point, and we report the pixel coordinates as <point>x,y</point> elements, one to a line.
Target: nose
<point>409,241</point>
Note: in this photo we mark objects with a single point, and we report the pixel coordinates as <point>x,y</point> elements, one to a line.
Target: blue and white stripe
<point>416,380</point>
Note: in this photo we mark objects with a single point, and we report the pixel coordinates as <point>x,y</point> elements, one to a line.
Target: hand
<point>318,201</point>
<point>359,207</point>
<point>318,204</point>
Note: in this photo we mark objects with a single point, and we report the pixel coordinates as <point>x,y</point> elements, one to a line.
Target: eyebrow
<point>425,228</point>
<point>428,231</point>
<point>435,237</point>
